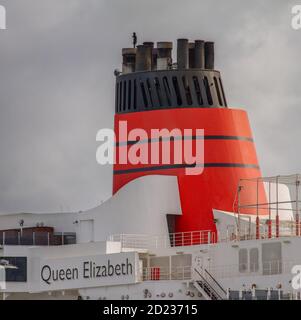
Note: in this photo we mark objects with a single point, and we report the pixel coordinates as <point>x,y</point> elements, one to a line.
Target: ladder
<point>209,286</point>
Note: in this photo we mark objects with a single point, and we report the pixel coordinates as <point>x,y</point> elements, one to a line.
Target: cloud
<point>57,86</point>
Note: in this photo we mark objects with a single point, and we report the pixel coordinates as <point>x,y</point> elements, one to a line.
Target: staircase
<point>208,286</point>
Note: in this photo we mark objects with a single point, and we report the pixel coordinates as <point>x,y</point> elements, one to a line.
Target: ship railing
<point>142,241</point>
<point>263,294</point>
<point>158,273</point>
<point>265,230</point>
<point>274,208</point>
<point>37,238</point>
<point>267,268</point>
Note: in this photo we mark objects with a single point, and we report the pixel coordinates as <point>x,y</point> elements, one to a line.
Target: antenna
<point>134,36</point>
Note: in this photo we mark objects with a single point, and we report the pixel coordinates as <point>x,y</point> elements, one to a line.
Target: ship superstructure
<point>226,233</point>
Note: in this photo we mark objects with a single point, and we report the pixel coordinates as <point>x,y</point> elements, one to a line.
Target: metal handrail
<point>143,241</point>
<point>215,281</point>
<point>285,228</point>
<point>205,281</point>
<point>158,273</point>
<point>170,240</point>
<point>35,238</point>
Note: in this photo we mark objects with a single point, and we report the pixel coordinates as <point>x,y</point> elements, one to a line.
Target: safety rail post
<point>3,238</point>
<point>19,238</point>
<point>270,218</point>
<point>121,241</point>
<point>48,239</point>
<point>34,238</point>
<point>257,211</point>
<point>277,208</point>
<point>269,228</point>
<point>238,211</point>
<point>277,226</point>
<point>257,228</point>
<point>297,207</point>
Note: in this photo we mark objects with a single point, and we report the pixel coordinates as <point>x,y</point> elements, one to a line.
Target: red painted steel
<point>229,141</point>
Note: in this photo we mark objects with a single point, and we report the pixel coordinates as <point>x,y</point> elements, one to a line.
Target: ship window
<point>177,90</point>
<point>19,274</point>
<point>271,258</point>
<point>167,90</point>
<point>187,90</point>
<point>158,90</point>
<point>218,92</point>
<point>243,260</point>
<point>198,91</point>
<point>124,95</point>
<point>135,94</point>
<point>129,94</point>
<point>143,94</point>
<point>208,92</point>
<point>150,92</point>
<point>181,262</point>
<point>223,93</point>
<point>254,263</point>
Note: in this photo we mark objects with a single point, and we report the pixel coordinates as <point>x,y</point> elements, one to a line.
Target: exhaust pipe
<point>144,58</point>
<point>209,55</point>
<point>191,46</point>
<point>164,50</point>
<point>199,54</point>
<point>129,60</point>
<point>183,54</point>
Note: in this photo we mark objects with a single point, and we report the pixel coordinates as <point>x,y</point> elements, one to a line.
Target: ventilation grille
<point>169,89</point>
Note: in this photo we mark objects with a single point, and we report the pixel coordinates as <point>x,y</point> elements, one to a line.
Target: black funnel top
<point>151,81</point>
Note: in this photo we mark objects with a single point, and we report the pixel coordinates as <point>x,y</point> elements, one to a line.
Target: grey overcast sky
<point>57,86</point>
